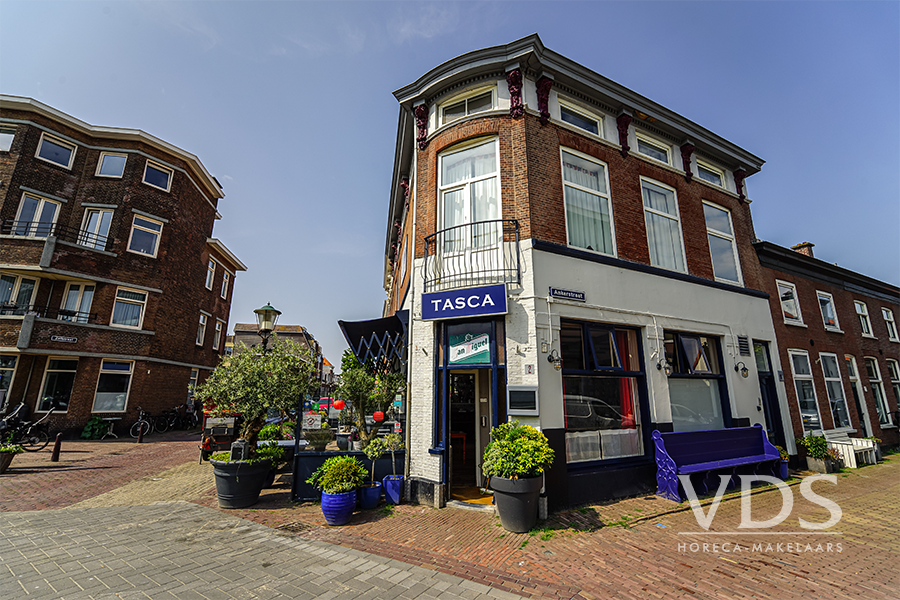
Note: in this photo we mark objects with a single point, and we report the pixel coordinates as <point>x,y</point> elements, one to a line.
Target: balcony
<point>39,229</point>
<point>482,253</point>
<point>72,316</point>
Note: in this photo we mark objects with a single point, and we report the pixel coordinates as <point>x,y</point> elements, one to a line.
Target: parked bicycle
<point>31,435</point>
<point>149,424</point>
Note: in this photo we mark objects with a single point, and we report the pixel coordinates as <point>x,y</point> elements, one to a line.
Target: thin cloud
<point>178,17</point>
<point>429,21</point>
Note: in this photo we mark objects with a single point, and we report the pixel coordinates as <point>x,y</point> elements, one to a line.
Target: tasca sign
<point>469,302</point>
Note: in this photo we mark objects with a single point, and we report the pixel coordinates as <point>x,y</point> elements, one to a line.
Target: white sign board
<point>312,422</point>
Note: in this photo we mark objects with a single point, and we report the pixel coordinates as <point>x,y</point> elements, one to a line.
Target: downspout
<point>409,331</point>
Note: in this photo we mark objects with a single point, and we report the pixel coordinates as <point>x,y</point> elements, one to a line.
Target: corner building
<point>568,253</point>
<point>114,293</point>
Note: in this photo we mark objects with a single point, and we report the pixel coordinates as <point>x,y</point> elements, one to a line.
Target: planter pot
<point>393,488</point>
<point>517,502</point>
<point>5,459</point>
<point>819,465</point>
<point>270,479</point>
<point>238,484</point>
<point>878,456</point>
<point>783,472</point>
<point>338,508</point>
<point>343,441</point>
<point>369,495</point>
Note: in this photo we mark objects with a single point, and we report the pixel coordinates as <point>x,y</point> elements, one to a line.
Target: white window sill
<point>894,341</point>
<point>888,426</point>
<point>796,324</point>
<point>834,330</point>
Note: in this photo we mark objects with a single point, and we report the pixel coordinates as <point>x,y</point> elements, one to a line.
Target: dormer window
<point>653,148</point>
<point>476,102</point>
<point>710,174</point>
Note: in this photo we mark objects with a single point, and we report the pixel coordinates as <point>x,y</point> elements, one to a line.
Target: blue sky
<point>289,104</point>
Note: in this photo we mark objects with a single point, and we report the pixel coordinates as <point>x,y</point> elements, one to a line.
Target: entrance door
<point>470,424</point>
<point>768,399</point>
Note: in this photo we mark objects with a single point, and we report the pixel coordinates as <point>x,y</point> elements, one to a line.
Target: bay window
<point>588,211</point>
<point>663,226</point>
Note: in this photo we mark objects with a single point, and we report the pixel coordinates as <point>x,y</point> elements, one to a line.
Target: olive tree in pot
<point>250,383</point>
<point>338,479</point>
<point>367,389</point>
<point>515,461</point>
<point>370,491</point>
<point>393,484</point>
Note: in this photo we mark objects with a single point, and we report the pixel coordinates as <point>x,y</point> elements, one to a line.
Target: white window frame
<point>78,302</point>
<point>702,164</point>
<point>192,385</point>
<point>226,277</point>
<point>465,97</point>
<point>820,295</point>
<point>59,142</point>
<point>676,218</point>
<point>141,303</point>
<point>660,145</point>
<point>4,401</point>
<point>725,236</point>
<point>33,229</point>
<point>865,323</point>
<point>404,250</point>
<point>467,185</point>
<point>104,155</point>
<point>607,197</point>
<point>103,371</point>
<point>158,167</point>
<point>840,382</point>
<point>7,136</point>
<point>201,330</point>
<point>890,323</point>
<point>14,293</point>
<point>877,384</point>
<point>799,320</point>
<point>210,274</point>
<point>584,114</point>
<point>47,371</point>
<point>217,339</point>
<point>94,239</point>
<point>894,376</point>
<point>523,412</point>
<point>791,353</point>
<point>158,234</point>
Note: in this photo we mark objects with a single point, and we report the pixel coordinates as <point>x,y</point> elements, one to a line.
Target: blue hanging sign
<point>469,302</point>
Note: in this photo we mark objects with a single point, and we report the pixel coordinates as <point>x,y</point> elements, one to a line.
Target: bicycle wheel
<point>36,440</point>
<point>136,428</point>
<point>161,424</point>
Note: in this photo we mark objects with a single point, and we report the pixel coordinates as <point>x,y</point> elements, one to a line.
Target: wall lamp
<point>555,359</point>
<point>664,365</point>
<point>745,372</point>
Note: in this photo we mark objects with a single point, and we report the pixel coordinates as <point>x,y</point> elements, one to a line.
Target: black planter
<point>517,502</point>
<point>238,484</point>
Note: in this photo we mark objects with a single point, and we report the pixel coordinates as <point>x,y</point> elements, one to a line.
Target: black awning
<point>378,341</point>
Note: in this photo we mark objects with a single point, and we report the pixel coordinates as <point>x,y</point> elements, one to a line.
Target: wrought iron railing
<point>482,253</point>
<point>62,232</point>
<point>73,316</point>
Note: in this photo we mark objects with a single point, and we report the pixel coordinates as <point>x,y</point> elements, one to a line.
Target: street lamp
<point>266,318</point>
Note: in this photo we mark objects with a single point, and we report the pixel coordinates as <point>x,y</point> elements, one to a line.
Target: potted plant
<point>393,484</point>
<point>785,457</point>
<point>251,384</point>
<point>318,438</point>
<point>370,491</point>
<point>515,461</point>
<point>354,441</point>
<point>877,442</point>
<point>367,389</point>
<point>816,448</point>
<point>338,479</point>
<point>7,454</point>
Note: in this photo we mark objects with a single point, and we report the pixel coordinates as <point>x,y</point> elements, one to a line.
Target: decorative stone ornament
<point>622,123</point>
<point>543,93</point>
<point>514,82</point>
<point>421,114</point>
<point>687,149</point>
<point>739,175</point>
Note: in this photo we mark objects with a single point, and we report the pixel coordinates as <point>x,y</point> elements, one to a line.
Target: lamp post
<point>266,317</point>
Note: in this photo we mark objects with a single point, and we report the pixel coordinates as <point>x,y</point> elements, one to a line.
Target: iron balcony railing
<point>73,316</point>
<point>482,253</point>
<point>62,232</point>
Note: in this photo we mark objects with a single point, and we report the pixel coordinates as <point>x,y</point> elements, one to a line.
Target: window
<point>806,390</point>
<point>862,312</point>
<point>722,247</point>
<point>210,274</point>
<point>36,217</point>
<point>891,325</point>
<point>881,405</point>
<point>76,306</point>
<point>226,276</point>
<point>158,176</point>
<point>588,214</point>
<point>145,236</point>
<point>192,383</point>
<point>475,103</point>
<point>663,226</point>
<point>56,151</point>
<point>16,294</point>
<point>829,315</point>
<point>218,337</point>
<point>7,370</point>
<point>522,400</point>
<point>652,148</point>
<point>201,330</point>
<point>7,134</point>
<point>602,377</point>
<point>470,193</point>
<point>111,165</point>
<point>835,387</point>
<point>790,305</point>
<point>112,386</point>
<point>95,229</point>
<point>58,381</point>
<point>894,373</point>
<point>580,119</point>
<point>710,174</point>
<point>128,311</point>
<point>697,391</point>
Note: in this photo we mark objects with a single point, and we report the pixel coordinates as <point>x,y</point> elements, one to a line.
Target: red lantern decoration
<point>339,405</point>
<point>378,416</point>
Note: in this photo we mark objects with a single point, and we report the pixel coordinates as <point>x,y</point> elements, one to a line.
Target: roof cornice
<point>228,254</point>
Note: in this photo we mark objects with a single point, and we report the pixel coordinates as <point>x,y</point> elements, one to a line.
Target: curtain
<point>587,214</point>
<point>485,207</point>
<point>125,313</point>
<point>469,163</point>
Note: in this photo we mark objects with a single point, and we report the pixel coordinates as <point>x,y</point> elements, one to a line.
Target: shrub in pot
<point>7,454</point>
<point>370,491</point>
<point>318,438</point>
<point>785,457</point>
<point>515,461</point>
<point>393,484</point>
<point>338,479</point>
<point>817,457</point>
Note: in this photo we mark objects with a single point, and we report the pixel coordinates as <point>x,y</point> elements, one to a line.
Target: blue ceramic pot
<point>783,471</point>
<point>338,508</point>
<point>393,488</point>
<point>369,495</point>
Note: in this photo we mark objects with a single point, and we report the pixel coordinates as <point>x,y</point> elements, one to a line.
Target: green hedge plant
<point>338,474</point>
<point>815,446</point>
<point>516,452</point>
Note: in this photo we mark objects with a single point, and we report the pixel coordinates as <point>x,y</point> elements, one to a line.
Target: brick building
<point>114,294</point>
<point>839,344</point>
<point>563,251</point>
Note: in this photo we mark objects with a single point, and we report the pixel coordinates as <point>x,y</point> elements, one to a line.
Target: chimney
<point>804,248</point>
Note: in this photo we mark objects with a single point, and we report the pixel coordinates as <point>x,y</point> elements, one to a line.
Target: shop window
<point>697,391</point>
<point>113,386</point>
<point>58,381</point>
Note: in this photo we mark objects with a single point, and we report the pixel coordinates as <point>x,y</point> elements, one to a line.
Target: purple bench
<point>704,455</point>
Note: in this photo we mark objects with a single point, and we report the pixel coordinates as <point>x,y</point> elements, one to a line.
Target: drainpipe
<point>409,333</point>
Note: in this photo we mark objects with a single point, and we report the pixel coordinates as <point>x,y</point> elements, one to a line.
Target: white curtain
<point>587,214</point>
<point>663,233</point>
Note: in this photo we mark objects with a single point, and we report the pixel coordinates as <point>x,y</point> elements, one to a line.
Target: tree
<point>366,393</point>
<point>251,383</point>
